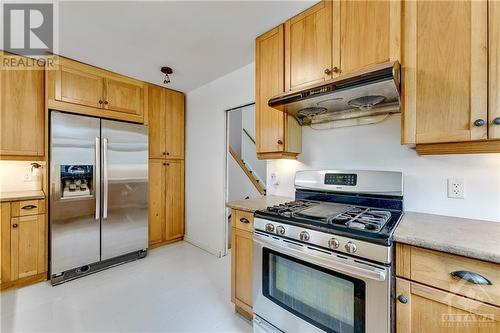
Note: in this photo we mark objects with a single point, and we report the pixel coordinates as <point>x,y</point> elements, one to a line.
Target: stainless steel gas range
<point>324,262</point>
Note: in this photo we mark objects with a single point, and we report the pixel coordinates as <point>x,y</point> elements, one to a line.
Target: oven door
<point>301,288</point>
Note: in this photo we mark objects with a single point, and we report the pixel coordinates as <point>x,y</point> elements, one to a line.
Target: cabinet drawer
<point>242,220</point>
<point>27,207</point>
<point>437,269</point>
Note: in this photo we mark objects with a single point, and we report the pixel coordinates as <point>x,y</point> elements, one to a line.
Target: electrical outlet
<point>456,188</point>
<point>27,176</point>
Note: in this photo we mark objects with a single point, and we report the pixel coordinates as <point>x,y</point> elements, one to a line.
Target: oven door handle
<point>320,259</point>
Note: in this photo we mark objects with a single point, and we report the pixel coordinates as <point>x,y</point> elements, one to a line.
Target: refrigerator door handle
<point>105,176</point>
<point>97,183</point>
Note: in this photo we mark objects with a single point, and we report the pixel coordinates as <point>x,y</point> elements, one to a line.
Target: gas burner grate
<point>363,218</point>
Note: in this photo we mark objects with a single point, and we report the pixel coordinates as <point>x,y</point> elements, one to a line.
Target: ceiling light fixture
<point>166,71</point>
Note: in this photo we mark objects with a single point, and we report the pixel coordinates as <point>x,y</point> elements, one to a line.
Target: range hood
<point>371,92</point>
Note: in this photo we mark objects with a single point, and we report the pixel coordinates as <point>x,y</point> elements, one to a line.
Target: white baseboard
<point>204,247</point>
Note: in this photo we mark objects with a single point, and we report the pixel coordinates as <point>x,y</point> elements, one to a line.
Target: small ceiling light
<point>166,71</point>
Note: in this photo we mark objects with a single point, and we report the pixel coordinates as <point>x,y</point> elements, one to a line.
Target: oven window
<point>331,301</point>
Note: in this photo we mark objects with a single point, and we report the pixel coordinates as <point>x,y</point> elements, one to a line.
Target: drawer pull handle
<point>28,207</point>
<point>471,277</point>
<point>403,299</point>
<point>244,220</point>
<point>14,225</point>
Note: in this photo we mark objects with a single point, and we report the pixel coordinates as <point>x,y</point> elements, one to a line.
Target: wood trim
<point>403,260</point>
<point>23,282</point>
<point>494,68</point>
<point>277,155</point>
<point>336,36</point>
<point>5,241</point>
<point>244,310</point>
<point>247,172</point>
<point>95,112</point>
<point>479,68</point>
<point>163,243</point>
<point>395,18</point>
<point>472,147</point>
<point>4,157</point>
<point>408,73</point>
<point>403,311</point>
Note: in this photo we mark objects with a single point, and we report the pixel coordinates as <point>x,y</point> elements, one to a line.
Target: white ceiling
<point>200,40</point>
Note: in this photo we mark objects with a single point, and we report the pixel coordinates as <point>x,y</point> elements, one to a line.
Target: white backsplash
<point>12,175</point>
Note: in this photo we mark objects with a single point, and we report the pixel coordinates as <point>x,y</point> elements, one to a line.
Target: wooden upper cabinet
<point>426,309</point>
<point>369,33</point>
<point>494,70</point>
<point>156,120</point>
<point>166,123</point>
<point>308,46</point>
<point>445,83</point>
<point>80,86</point>
<point>22,110</point>
<point>174,199</point>
<point>174,124</point>
<point>124,95</point>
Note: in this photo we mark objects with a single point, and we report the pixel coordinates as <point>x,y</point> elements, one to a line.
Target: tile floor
<point>177,288</point>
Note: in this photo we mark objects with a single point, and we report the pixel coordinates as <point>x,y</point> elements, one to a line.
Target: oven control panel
<point>343,179</point>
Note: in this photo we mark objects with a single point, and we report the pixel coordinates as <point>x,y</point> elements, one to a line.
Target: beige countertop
<point>253,204</point>
<point>21,195</point>
<point>466,237</point>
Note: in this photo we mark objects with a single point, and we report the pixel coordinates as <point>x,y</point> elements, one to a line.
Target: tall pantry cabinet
<point>166,165</point>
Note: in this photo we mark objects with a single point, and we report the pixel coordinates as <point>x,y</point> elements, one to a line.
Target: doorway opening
<point>245,174</point>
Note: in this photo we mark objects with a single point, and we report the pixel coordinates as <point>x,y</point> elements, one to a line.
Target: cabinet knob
<point>328,71</point>
<point>105,102</point>
<point>168,153</point>
<point>335,69</point>
<point>100,102</point>
<point>244,220</point>
<point>403,299</point>
<point>496,121</point>
<point>164,153</point>
<point>168,164</point>
<point>14,225</point>
<point>479,122</point>
<point>280,142</point>
<point>164,163</point>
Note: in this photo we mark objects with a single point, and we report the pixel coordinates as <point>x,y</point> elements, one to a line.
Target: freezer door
<point>124,226</point>
<point>74,191</point>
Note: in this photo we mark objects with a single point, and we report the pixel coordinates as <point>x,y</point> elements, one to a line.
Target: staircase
<point>249,173</point>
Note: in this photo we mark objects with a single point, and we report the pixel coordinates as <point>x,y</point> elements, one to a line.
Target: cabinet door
<point>174,124</point>
<point>369,33</point>
<point>124,95</point>
<point>269,67</point>
<point>27,239</point>
<point>174,199</point>
<point>241,268</point>
<point>156,109</point>
<point>429,310</point>
<point>156,201</point>
<point>494,66</point>
<point>79,85</point>
<point>308,46</point>
<point>22,107</point>
<point>445,97</point>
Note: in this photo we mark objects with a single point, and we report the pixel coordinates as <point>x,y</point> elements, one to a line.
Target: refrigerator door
<point>74,191</point>
<point>124,151</point>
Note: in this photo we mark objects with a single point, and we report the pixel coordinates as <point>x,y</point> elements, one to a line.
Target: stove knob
<point>304,236</point>
<point>350,247</point>
<point>269,227</point>
<point>280,230</point>
<point>333,243</point>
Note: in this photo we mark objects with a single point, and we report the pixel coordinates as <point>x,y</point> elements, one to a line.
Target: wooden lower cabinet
<point>429,299</point>
<point>242,263</point>
<point>166,201</point>
<point>23,246</point>
<point>430,310</point>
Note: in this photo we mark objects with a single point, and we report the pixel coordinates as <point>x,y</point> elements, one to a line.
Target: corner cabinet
<point>445,98</point>
<point>242,262</point>
<point>277,134</point>
<point>79,88</point>
<point>22,109</point>
<point>430,299</point>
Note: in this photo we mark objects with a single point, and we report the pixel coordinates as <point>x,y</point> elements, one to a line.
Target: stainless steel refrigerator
<point>98,194</point>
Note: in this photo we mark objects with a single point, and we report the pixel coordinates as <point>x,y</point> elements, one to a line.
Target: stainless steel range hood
<point>370,92</point>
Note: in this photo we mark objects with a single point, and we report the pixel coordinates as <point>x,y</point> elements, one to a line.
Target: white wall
<point>425,177</point>
<point>12,176</point>
<point>234,130</point>
<point>248,149</point>
<point>206,155</point>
